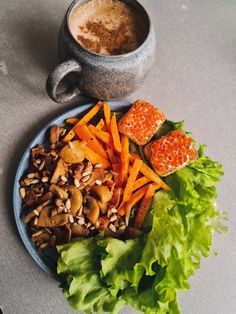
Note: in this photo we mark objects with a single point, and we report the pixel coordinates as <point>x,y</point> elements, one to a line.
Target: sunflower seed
<point>36,220</point>
<point>22,192</point>
<point>71,219</point>
<point>36,212</point>
<point>84,179</point>
<point>113,218</point>
<point>92,228</point>
<point>98,182</point>
<point>76,183</point>
<point>112,228</point>
<point>30,175</point>
<point>45,179</point>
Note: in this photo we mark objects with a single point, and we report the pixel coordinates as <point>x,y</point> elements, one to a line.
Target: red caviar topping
<point>141,122</point>
<point>172,152</point>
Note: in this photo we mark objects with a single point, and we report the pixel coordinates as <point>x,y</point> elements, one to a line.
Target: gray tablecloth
<point>194,79</point>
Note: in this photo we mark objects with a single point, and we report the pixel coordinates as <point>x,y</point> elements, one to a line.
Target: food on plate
<point>141,122</point>
<point>170,152</point>
<point>126,231</point>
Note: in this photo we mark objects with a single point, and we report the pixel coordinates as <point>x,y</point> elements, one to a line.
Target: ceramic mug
<point>96,75</point>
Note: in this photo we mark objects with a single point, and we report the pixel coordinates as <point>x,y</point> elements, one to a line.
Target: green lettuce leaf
<point>103,274</point>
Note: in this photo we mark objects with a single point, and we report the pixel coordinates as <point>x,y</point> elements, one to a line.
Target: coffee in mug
<point>107,27</point>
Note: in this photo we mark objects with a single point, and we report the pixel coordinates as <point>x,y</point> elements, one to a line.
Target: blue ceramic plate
<point>48,259</point>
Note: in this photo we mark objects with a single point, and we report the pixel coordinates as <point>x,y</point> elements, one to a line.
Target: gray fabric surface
<point>194,79</point>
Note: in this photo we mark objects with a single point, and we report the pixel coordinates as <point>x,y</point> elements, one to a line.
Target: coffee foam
<point>112,13</point>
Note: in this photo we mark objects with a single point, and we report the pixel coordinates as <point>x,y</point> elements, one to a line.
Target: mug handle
<point>57,75</point>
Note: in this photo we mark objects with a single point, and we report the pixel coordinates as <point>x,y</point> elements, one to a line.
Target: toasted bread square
<point>141,122</point>
<point>171,152</point>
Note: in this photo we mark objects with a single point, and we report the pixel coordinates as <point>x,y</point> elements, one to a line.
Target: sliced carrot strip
<point>140,182</point>
<point>124,156</point>
<point>86,118</point>
<point>72,121</point>
<point>100,124</point>
<point>115,133</point>
<point>83,132</point>
<point>134,199</point>
<point>129,186</point>
<point>94,158</point>
<point>107,114</point>
<point>113,158</point>
<point>152,176</point>
<point>105,137</point>
<point>144,206</point>
<point>133,156</point>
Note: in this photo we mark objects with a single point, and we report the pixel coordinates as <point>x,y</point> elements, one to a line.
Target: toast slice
<point>170,152</point>
<point>141,122</point>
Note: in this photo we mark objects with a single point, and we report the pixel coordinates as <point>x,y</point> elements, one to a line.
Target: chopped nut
<point>22,192</point>
<point>36,220</point>
<point>113,210</point>
<point>122,227</point>
<point>38,161</point>
<point>97,224</point>
<point>42,246</point>
<point>68,204</point>
<point>98,182</point>
<point>30,175</point>
<point>113,218</point>
<point>86,173</point>
<point>71,219</point>
<point>45,179</point>
<point>112,227</point>
<point>81,221</point>
<point>88,224</point>
<point>84,179</point>
<point>76,183</point>
<point>63,178</point>
<point>36,212</point>
<point>36,233</point>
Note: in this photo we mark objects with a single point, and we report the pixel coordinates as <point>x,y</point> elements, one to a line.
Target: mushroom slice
<point>45,219</point>
<point>54,134</point>
<point>61,170</point>
<point>41,236</point>
<point>45,197</point>
<point>79,231</point>
<point>76,199</point>
<point>102,193</point>
<point>93,209</point>
<point>72,153</point>
<point>60,192</point>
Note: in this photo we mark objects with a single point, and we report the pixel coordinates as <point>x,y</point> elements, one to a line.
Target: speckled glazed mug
<point>100,76</point>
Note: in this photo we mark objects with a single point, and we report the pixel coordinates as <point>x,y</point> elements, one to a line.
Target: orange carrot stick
<point>100,124</point>
<point>115,133</point>
<point>129,186</point>
<point>140,182</point>
<point>144,206</point>
<point>85,119</point>
<point>83,132</point>
<point>107,114</point>
<point>152,176</point>
<point>105,137</point>
<point>133,156</point>
<point>124,156</point>
<point>113,158</point>
<point>134,199</point>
